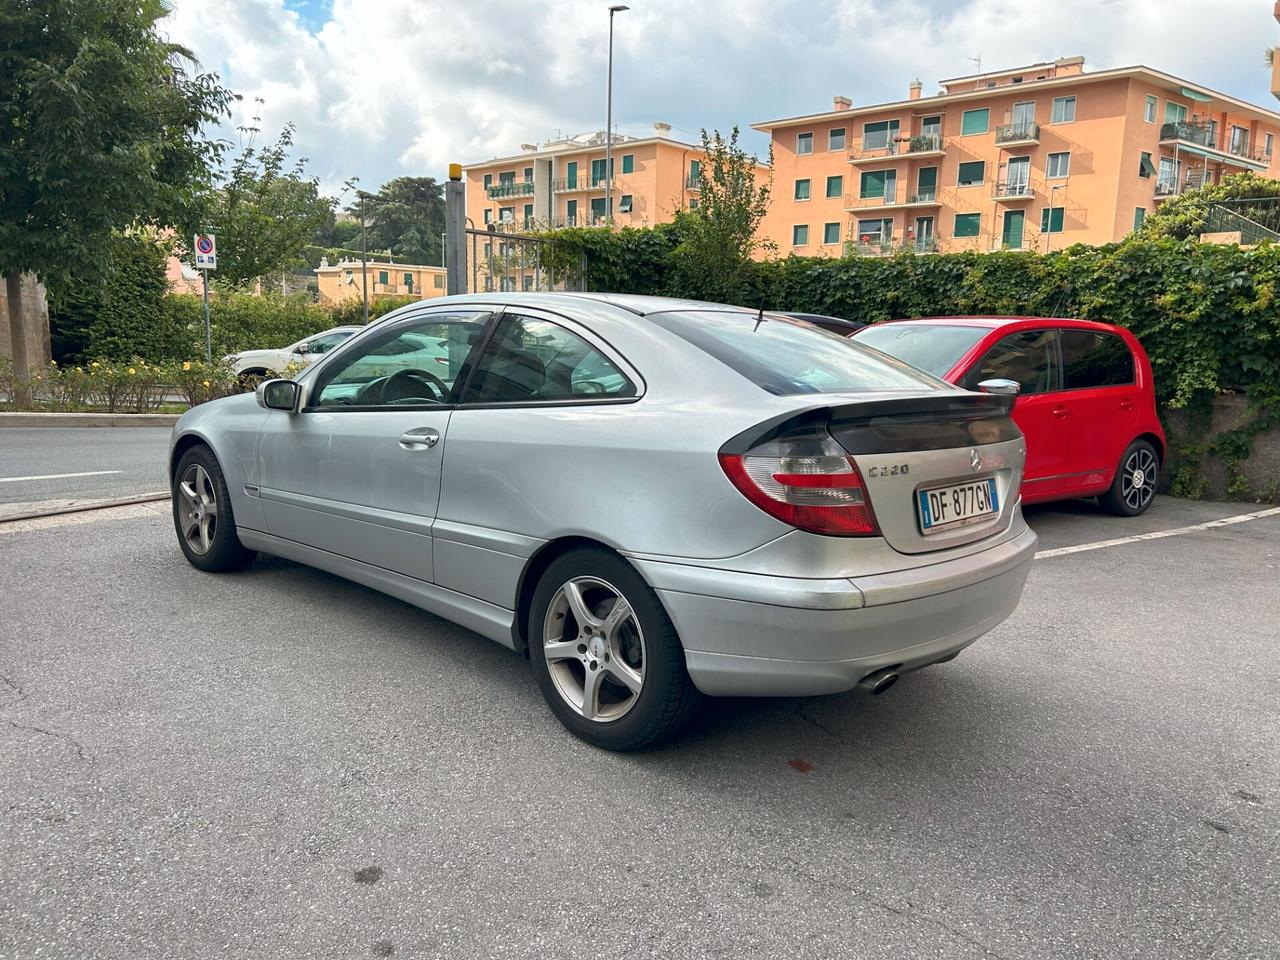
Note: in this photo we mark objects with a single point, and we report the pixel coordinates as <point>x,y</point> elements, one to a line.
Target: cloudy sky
<point>383,88</point>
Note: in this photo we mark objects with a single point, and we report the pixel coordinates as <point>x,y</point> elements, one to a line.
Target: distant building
<point>1037,157</point>
<point>343,281</point>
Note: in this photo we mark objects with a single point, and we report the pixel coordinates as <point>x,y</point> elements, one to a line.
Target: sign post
<point>206,248</point>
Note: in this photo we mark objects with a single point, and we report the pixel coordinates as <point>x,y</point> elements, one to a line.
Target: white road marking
<point>1158,534</point>
<point>60,476</point>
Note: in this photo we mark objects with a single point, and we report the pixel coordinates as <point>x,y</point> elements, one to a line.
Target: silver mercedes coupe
<point>651,499</point>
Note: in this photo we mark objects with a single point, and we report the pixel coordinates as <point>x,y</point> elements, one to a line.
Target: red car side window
<point>1094,359</point>
<point>1029,357</point>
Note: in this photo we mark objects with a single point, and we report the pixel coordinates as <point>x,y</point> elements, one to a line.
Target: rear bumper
<point>752,635</point>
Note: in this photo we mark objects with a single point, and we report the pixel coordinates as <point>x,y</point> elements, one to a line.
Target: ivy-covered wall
<point>1208,314</point>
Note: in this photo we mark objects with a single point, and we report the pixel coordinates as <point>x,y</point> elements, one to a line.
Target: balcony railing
<point>1013,190</point>
<point>581,182</point>
<point>1201,134</point>
<point>1167,187</point>
<point>902,147</point>
<point>893,198</point>
<point>500,190</point>
<point>1011,133</point>
<point>693,181</point>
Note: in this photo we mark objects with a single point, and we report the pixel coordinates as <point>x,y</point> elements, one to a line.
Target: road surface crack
<point>16,688</point>
<point>57,735</point>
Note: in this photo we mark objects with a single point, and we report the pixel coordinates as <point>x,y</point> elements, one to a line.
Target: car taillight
<point>807,481</point>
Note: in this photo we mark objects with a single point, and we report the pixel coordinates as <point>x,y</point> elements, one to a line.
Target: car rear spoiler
<point>895,425</point>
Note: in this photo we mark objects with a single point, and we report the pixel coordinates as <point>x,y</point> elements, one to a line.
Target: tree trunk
<point>18,342</point>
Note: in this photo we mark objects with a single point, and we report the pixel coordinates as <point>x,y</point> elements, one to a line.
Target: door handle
<point>421,438</point>
<point>1126,404</point>
<point>1059,412</point>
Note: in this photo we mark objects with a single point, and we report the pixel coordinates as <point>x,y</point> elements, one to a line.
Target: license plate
<point>956,505</point>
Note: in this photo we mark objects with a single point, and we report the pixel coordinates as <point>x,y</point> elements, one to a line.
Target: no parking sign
<point>206,248</point>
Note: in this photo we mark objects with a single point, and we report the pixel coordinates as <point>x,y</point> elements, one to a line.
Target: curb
<point>88,419</point>
<point>88,505</point>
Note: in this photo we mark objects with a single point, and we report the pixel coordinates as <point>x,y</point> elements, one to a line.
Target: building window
<point>695,170</point>
<point>408,280</point>
<point>1051,219</point>
<point>835,187</point>
<point>438,281</point>
<point>488,216</point>
<point>624,205</point>
<point>628,163</point>
<point>830,233</point>
<point>802,189</point>
<point>879,135</point>
<point>1139,216</point>
<point>1269,144</point>
<point>972,173</point>
<point>804,144</point>
<point>974,121</point>
<point>571,212</point>
<point>1064,110</point>
<point>693,203</point>
<point>382,277</point>
<point>506,179</point>
<point>1145,168</point>
<point>875,231</point>
<point>488,180</point>
<point>506,214</point>
<point>528,213</point>
<point>835,139</point>
<point>1174,112</point>
<point>528,174</point>
<point>1239,144</point>
<point>799,234</point>
<point>875,183</point>
<point>1149,111</point>
<point>968,224</point>
<point>1059,165</point>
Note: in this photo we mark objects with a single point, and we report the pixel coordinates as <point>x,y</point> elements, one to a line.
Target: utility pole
<point>455,221</point>
<point>364,262</point>
<point>608,125</point>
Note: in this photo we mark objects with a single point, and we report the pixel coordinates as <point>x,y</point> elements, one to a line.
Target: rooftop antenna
<point>977,62</point>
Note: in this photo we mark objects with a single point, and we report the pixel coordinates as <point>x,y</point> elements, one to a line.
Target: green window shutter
<point>802,189</point>
<point>968,224</point>
<point>1145,167</point>
<point>971,173</point>
<point>597,171</point>
<point>382,276</point>
<point>835,186</point>
<point>927,179</point>
<point>488,180</point>
<point>408,280</point>
<point>695,169</point>
<point>1051,219</point>
<point>831,233</point>
<point>624,205</point>
<point>628,163</point>
<point>974,121</point>
<point>571,174</point>
<point>800,234</point>
<point>1139,216</point>
<point>528,211</point>
<point>873,183</point>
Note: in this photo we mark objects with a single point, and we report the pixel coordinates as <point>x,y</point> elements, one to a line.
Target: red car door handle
<point>1059,411</point>
<point>1126,404</point>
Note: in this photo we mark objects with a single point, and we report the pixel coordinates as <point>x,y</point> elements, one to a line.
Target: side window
<point>1092,359</point>
<point>326,343</point>
<point>1031,358</point>
<point>531,360</point>
<point>410,363</point>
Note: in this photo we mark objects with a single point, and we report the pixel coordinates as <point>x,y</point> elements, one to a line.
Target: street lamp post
<point>364,262</point>
<point>1048,234</point>
<point>608,125</point>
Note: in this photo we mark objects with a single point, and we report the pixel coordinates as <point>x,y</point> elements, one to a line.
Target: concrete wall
<point>36,310</point>
<point>1259,474</point>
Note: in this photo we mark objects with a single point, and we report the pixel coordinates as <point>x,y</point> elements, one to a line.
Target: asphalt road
<point>278,763</point>
<point>111,461</point>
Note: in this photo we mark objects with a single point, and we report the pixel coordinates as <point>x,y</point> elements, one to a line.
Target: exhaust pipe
<point>879,681</point>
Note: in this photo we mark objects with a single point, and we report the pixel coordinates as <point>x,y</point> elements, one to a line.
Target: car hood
<point>258,354</point>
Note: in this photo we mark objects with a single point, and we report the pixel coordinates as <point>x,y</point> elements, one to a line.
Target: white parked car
<point>262,363</point>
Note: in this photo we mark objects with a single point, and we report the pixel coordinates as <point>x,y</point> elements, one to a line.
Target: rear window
<point>1091,359</point>
<point>934,347</point>
<point>788,357</point>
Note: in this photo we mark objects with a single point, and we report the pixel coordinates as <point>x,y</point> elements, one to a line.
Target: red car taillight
<point>806,481</point>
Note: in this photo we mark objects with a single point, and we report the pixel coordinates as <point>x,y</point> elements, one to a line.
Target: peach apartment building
<point>562,183</point>
<point>1037,157</point>
<point>342,281</point>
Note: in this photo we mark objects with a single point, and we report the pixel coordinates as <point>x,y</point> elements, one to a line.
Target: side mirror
<point>1005,388</point>
<point>278,395</point>
<point>303,348</point>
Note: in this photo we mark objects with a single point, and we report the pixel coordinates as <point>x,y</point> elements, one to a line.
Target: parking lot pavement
<point>280,763</point>
<point>65,465</point>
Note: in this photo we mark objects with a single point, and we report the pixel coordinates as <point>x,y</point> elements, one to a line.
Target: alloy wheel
<point>594,648</point>
<point>197,509</point>
<point>1138,480</point>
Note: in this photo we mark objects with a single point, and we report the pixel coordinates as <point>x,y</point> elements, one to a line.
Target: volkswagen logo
<point>975,461</point>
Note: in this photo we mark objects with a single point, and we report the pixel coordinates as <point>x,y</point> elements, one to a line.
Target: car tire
<point>202,514</point>
<point>1134,487</point>
<point>633,661</point>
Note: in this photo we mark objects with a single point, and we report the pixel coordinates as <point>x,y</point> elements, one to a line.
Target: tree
<point>719,237</point>
<point>264,210</point>
<point>101,126</point>
<point>1186,216</point>
<point>405,216</point>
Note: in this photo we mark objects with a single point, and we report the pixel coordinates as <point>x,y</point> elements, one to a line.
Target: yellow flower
<point>53,363</point>
<point>94,364</point>
<point>186,364</point>
<point>132,371</point>
<point>206,383</point>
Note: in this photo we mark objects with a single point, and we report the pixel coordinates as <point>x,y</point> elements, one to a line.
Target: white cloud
<point>391,87</point>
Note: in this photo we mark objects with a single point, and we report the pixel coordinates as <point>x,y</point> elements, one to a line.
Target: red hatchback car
<point>1085,399</point>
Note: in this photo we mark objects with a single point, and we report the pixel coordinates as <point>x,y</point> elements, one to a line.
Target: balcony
<point>501,190</point>
<point>1204,136</point>
<point>572,184</point>
<point>1018,135</point>
<point>693,181</point>
<point>904,148</point>
<point>893,200</point>
<point>1014,190</point>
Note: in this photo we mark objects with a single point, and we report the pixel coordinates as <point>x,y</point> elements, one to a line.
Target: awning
<point>1195,95</point>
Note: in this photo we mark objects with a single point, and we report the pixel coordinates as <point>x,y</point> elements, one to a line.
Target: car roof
<point>637,304</point>
<point>996,323</point>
